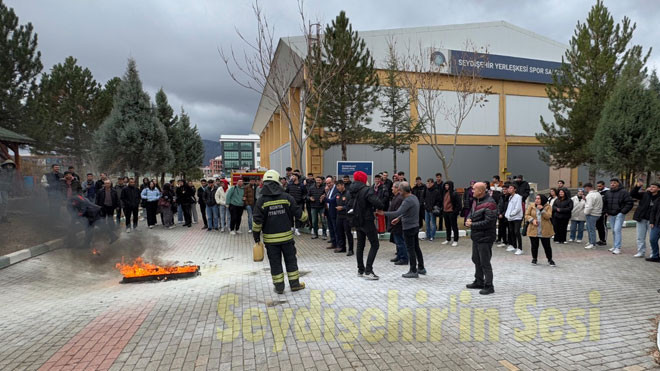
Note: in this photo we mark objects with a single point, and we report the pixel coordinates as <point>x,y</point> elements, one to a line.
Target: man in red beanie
<point>361,216</point>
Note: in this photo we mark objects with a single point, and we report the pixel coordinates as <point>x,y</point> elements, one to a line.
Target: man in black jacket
<point>366,203</point>
<point>601,223</point>
<point>523,189</point>
<point>419,191</point>
<point>440,186</point>
<point>211,205</point>
<point>184,197</point>
<point>202,205</point>
<point>643,213</point>
<point>654,236</point>
<point>482,222</point>
<point>432,200</point>
<point>503,224</point>
<point>396,230</point>
<point>616,204</point>
<point>316,195</point>
<point>297,190</point>
<point>344,232</point>
<point>108,200</point>
<point>130,199</point>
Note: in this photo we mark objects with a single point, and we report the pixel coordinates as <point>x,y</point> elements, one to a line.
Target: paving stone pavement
<point>593,311</point>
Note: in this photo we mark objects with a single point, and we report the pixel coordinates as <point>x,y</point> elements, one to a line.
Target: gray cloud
<point>175,43</point>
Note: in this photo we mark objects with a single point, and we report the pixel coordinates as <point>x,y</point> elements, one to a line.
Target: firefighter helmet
<point>272,175</point>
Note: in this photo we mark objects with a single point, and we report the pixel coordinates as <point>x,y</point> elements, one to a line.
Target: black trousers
<point>415,257</point>
<point>236,213</point>
<point>108,214</point>
<point>202,209</point>
<point>187,213</point>
<point>439,223</point>
<point>503,231</point>
<point>119,209</point>
<point>275,254</point>
<point>152,209</point>
<point>451,222</point>
<point>483,271</point>
<point>365,232</point>
<point>561,226</point>
<point>515,239</point>
<point>421,216</point>
<point>545,241</point>
<point>600,227</point>
<point>131,212</point>
<point>343,234</point>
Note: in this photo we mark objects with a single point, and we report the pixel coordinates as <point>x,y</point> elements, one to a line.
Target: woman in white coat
<point>578,218</point>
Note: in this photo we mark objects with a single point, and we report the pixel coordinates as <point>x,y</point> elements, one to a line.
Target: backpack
<point>354,213</point>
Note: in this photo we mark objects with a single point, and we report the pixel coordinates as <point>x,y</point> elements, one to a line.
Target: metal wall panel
<point>471,163</point>
<point>482,120</point>
<point>364,152</point>
<point>525,160</point>
<point>523,115</point>
<point>281,158</point>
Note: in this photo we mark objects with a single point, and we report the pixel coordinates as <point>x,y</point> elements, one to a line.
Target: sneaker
<point>510,248</point>
<point>209,230</point>
<point>314,237</point>
<point>296,232</point>
<point>350,253</point>
<point>422,271</point>
<point>324,237</point>
<point>239,232</point>
<point>501,244</point>
<point>616,251</point>
<point>487,290</point>
<point>601,243</point>
<point>401,262</point>
<point>518,252</point>
<point>128,230</point>
<point>250,230</point>
<point>360,274</point>
<point>533,261</point>
<point>589,246</point>
<point>639,255</point>
<point>552,263</point>
<point>410,275</point>
<point>610,249</point>
<point>205,227</point>
<point>454,244</point>
<point>151,227</point>
<point>431,239</point>
<point>446,243</point>
<point>578,241</point>
<point>475,286</point>
<point>371,276</point>
<point>232,233</point>
<point>338,250</point>
<point>570,240</point>
<point>394,260</point>
<point>657,260</point>
<point>171,227</point>
<point>422,238</point>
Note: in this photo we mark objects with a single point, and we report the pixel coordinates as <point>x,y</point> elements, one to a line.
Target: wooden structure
<point>11,140</point>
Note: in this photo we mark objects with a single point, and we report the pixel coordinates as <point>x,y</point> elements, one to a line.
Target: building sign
<point>350,167</point>
<point>501,67</point>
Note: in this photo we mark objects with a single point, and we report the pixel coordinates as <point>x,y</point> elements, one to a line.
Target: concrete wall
<point>281,158</point>
<point>364,152</point>
<point>471,163</point>
<point>523,115</point>
<point>525,160</point>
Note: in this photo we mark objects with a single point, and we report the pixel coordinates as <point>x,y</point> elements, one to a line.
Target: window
<point>246,155</point>
<point>231,146</point>
<point>246,146</point>
<point>247,164</point>
<point>258,144</point>
<point>258,154</point>
<point>231,155</point>
<point>232,164</point>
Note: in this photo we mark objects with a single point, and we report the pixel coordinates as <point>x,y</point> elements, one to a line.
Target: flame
<point>95,252</point>
<point>141,269</point>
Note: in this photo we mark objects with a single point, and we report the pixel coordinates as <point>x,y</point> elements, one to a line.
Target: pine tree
<point>132,138</point>
<point>106,98</point>
<point>20,65</point>
<point>399,131</point>
<point>345,106</point>
<point>627,137</point>
<point>64,113</point>
<point>598,51</point>
<point>191,155</point>
<point>166,116</point>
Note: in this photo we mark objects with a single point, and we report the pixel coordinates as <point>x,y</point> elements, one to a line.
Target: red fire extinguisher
<point>381,223</point>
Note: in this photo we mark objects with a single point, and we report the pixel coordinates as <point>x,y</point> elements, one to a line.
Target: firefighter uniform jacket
<point>274,215</point>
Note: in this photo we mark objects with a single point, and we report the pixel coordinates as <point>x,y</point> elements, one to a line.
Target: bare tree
<point>429,89</point>
<point>271,67</point>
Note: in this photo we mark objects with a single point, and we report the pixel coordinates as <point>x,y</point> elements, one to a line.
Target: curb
<point>25,254</point>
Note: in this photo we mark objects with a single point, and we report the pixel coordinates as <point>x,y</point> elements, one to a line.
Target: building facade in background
<point>496,138</point>
<point>241,152</point>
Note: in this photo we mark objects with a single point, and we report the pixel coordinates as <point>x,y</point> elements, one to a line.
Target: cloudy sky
<point>175,42</point>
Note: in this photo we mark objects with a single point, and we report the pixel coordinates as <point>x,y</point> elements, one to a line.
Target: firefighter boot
<point>279,288</point>
<point>296,285</point>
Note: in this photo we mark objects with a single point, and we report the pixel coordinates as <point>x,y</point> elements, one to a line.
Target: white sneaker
<point>454,244</point>
<point>610,249</point>
<point>639,255</point>
<point>589,246</point>
<point>128,230</point>
<point>445,243</point>
<point>296,232</point>
<point>232,233</point>
<point>422,238</point>
<point>616,251</point>
<point>510,248</point>
<point>571,240</point>
<point>518,252</point>
<point>578,241</point>
<point>501,244</point>
<point>239,232</point>
<point>249,231</point>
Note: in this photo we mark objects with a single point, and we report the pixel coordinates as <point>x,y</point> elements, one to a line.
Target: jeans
<point>616,221</point>
<point>653,239</point>
<point>316,214</point>
<point>401,251</point>
<point>179,213</point>
<point>224,217</point>
<point>212,216</point>
<point>483,271</point>
<point>577,226</point>
<point>249,214</point>
<point>429,219</point>
<point>591,228</point>
<point>415,256</point>
<point>642,228</point>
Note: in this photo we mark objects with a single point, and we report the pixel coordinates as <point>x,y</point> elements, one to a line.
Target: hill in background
<point>212,148</point>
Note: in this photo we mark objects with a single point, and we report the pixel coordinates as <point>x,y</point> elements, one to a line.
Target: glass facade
<point>238,155</point>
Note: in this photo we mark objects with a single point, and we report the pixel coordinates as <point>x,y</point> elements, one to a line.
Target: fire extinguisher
<point>381,223</point>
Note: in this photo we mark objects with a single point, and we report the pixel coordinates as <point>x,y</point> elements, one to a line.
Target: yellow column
<point>414,116</point>
<point>284,127</point>
<point>502,136</point>
<point>294,112</point>
<point>276,130</point>
<point>574,178</point>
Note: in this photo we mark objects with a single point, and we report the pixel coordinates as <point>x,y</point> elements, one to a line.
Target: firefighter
<point>274,215</point>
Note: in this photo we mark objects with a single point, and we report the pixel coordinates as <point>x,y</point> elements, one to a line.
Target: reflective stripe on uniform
<point>277,278</point>
<point>276,202</point>
<point>293,275</point>
<point>278,237</point>
<point>256,227</point>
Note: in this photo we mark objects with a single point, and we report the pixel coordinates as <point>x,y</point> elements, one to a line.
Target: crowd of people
<point>339,206</point>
